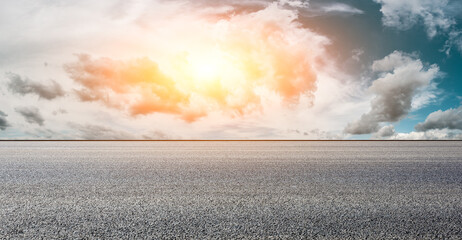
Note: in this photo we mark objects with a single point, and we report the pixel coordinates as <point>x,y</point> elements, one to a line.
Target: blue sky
<point>259,69</point>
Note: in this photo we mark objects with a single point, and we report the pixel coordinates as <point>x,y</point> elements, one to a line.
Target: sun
<point>209,70</point>
<point>205,68</point>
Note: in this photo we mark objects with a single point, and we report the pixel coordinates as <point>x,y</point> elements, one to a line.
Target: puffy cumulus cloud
<point>401,78</point>
<point>385,132</point>
<point>449,119</point>
<point>23,86</point>
<point>405,14</point>
<point>434,134</point>
<point>232,66</point>
<point>3,122</point>
<point>31,115</point>
<point>439,125</point>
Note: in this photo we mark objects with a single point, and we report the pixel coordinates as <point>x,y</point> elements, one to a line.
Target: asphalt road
<point>243,190</point>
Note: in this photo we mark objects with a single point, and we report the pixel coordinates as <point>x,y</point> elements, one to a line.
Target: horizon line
<point>223,140</point>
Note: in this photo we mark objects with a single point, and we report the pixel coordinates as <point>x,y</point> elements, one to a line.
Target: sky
<point>228,69</point>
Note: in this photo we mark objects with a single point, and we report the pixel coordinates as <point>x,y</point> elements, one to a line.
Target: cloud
<point>439,125</point>
<point>426,96</point>
<point>116,83</point>
<point>235,61</point>
<point>24,86</point>
<point>454,40</point>
<point>295,3</point>
<point>405,14</point>
<point>59,111</point>
<point>96,132</point>
<point>357,53</point>
<point>384,132</point>
<point>158,135</point>
<point>31,115</point>
<point>449,119</point>
<point>319,134</point>
<point>3,122</point>
<point>438,17</point>
<point>401,78</point>
<point>341,8</point>
<point>434,134</point>
<point>42,133</point>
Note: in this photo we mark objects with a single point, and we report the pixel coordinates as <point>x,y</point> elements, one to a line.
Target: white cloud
<point>435,134</point>
<point>341,8</point>
<point>454,41</point>
<point>426,96</point>
<point>405,14</point>
<point>401,78</point>
<point>439,125</point>
<point>295,3</point>
<point>357,53</point>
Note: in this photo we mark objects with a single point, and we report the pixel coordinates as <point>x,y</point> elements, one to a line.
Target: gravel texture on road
<point>231,190</point>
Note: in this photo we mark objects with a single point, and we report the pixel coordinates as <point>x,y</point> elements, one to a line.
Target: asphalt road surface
<point>231,190</point>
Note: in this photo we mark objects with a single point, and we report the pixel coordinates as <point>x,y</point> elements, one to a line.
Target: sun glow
<point>231,66</point>
<point>205,69</point>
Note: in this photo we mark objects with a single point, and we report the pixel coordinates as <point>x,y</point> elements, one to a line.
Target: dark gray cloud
<point>450,119</point>
<point>3,122</point>
<point>31,115</point>
<point>24,86</point>
<point>401,78</point>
